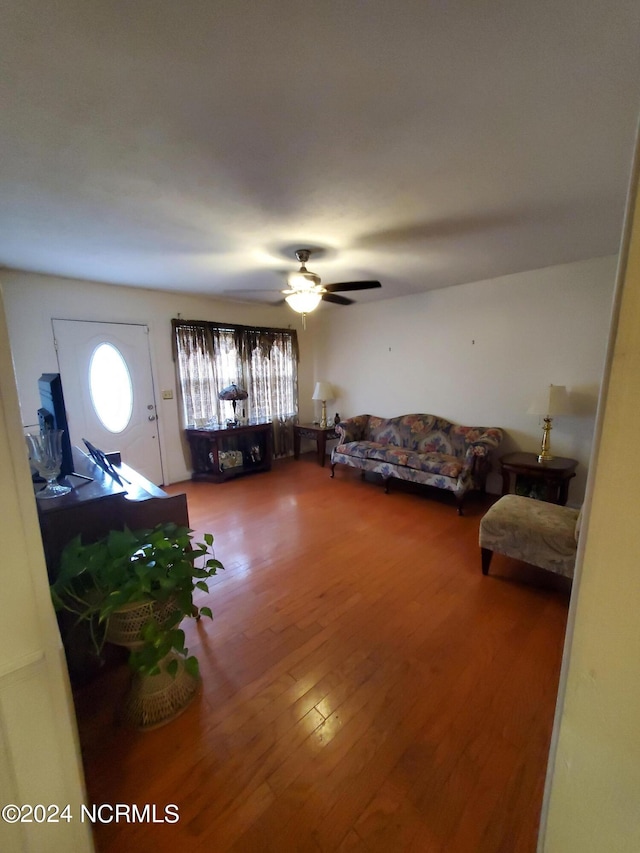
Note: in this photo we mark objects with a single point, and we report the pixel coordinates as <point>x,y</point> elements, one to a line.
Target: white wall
<point>31,301</point>
<point>478,354</point>
<point>593,788</point>
<point>39,751</point>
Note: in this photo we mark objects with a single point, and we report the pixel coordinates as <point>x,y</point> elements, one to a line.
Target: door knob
<point>152,417</point>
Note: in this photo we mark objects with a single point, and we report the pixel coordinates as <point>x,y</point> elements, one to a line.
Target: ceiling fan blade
<point>351,285</point>
<point>338,300</point>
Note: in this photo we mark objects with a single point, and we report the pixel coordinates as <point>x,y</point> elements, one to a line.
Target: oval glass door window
<point>110,387</point>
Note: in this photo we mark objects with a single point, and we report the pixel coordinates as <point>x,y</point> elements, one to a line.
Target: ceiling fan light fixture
<point>303,280</point>
<point>303,301</point>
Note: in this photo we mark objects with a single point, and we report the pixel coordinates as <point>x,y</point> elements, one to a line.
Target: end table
<point>547,481</point>
<point>318,434</point>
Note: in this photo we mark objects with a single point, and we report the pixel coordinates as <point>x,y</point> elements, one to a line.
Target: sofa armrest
<point>475,467</point>
<point>481,442</point>
<point>352,429</point>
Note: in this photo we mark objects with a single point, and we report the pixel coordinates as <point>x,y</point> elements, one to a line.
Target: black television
<point>53,415</point>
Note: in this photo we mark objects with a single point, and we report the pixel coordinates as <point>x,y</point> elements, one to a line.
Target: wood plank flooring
<point>365,688</point>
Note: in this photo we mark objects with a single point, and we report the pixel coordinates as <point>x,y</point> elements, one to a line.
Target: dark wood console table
<point>547,481</point>
<point>316,433</point>
<point>91,510</point>
<point>219,453</point>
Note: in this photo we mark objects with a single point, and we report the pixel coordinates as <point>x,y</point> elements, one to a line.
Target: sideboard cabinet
<point>220,453</point>
<point>92,508</point>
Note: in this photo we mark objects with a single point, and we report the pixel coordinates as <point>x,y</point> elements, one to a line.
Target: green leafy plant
<point>96,580</point>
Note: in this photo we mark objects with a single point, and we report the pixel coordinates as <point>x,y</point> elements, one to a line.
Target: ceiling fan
<point>305,291</point>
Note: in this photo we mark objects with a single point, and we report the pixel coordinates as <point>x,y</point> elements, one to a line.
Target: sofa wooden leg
<point>487,554</point>
<point>333,469</point>
<point>362,474</point>
<point>459,502</point>
<point>386,481</point>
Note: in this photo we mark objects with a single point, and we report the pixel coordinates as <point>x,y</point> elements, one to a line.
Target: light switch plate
<point>167,395</point>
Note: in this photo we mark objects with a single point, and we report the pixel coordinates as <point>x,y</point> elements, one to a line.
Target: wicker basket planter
<point>127,622</point>
<point>133,588</point>
<point>152,700</point>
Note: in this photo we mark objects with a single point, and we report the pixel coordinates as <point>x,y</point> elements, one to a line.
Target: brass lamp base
<point>323,416</point>
<point>545,453</point>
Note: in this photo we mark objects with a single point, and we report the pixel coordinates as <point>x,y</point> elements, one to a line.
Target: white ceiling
<point>194,145</point>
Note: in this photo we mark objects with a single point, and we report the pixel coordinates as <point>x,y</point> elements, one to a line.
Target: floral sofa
<point>419,448</point>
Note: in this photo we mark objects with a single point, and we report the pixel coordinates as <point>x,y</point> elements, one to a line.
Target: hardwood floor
<point>365,688</point>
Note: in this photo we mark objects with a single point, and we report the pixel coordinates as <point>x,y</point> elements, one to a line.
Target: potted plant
<point>134,588</point>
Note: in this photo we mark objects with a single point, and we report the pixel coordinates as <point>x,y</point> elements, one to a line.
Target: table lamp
<point>323,392</point>
<point>233,392</point>
<point>553,401</point>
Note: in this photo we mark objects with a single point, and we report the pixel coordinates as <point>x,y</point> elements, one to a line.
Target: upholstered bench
<point>537,532</point>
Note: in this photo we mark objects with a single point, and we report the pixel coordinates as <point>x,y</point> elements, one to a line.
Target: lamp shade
<point>553,401</point>
<point>232,392</point>
<point>303,301</point>
<point>323,391</point>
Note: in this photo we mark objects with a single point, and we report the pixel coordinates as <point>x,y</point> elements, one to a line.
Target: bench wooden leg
<point>487,554</point>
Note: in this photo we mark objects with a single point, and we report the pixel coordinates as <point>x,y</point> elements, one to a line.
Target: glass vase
<point>45,455</point>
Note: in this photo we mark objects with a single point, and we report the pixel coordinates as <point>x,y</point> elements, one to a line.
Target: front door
<point>108,390</point>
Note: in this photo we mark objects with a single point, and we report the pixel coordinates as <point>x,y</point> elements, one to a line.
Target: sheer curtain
<point>270,364</point>
<point>210,356</point>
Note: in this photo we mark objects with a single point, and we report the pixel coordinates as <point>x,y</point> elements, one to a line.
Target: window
<point>210,356</point>
<point>110,387</point>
